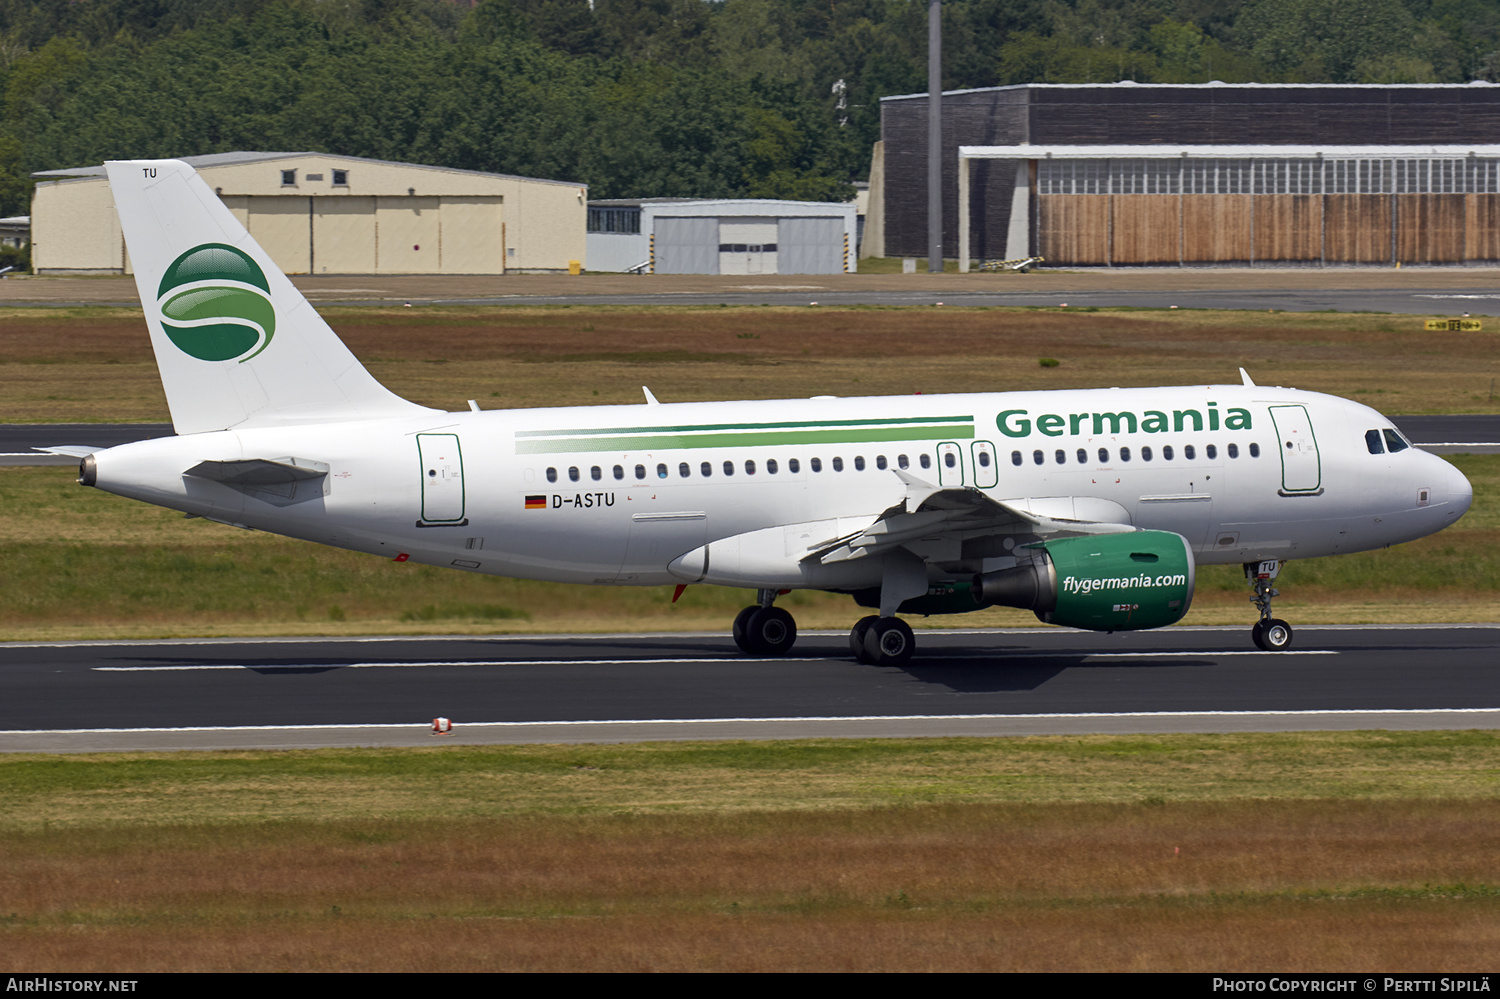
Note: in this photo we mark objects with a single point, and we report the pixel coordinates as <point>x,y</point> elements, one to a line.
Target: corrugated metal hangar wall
<point>1397,174</point>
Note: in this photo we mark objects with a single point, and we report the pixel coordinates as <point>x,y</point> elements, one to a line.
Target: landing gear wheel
<point>771,631</point>
<point>1273,635</point>
<point>889,642</point>
<point>741,630</point>
<point>857,638</point>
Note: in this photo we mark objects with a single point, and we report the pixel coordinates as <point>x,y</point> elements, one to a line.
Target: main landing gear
<point>765,630</point>
<point>1270,634</point>
<point>882,641</point>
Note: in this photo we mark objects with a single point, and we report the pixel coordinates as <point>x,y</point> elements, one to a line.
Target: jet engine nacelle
<point>1102,582</point>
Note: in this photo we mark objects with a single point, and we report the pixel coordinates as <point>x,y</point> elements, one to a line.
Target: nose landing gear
<point>1270,634</point>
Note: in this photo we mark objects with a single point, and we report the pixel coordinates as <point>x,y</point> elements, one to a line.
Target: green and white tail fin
<point>236,344</point>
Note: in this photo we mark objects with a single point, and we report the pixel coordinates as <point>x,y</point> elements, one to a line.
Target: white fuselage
<point>616,494</point>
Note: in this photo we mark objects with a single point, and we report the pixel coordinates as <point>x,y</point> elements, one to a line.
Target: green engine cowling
<point>1101,582</point>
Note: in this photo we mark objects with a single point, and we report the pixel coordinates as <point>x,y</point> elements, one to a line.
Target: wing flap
<point>958,513</point>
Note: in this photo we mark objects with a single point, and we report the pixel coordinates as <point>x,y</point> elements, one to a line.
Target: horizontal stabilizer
<point>259,472</point>
<point>72,450</point>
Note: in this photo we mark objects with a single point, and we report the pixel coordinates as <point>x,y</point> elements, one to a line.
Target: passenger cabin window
<point>1060,456</point>
<point>707,469</point>
<point>1015,457</point>
<point>684,470</point>
<point>551,475</point>
<point>1124,454</point>
<point>1104,456</point>
<point>816,464</point>
<point>1146,452</point>
<point>640,471</point>
<point>838,464</point>
<point>728,468</point>
<point>1082,456</point>
<point>859,463</point>
<point>619,471</point>
<point>903,463</point>
<point>1395,442</point>
<point>770,466</point>
<point>793,465</point>
<point>1037,457</point>
<point>926,461</point>
<point>1212,450</point>
<point>1166,452</point>
<point>880,462</point>
<point>661,471</point>
<point>596,473</point>
<point>749,467</point>
<point>1255,450</point>
<point>1234,450</point>
<point>1188,453</point>
<point>573,474</point>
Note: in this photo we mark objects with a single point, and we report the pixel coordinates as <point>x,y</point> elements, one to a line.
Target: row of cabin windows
<point>771,466</point>
<point>1189,453</point>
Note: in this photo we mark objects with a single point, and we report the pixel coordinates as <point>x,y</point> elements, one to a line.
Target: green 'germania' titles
<point>1018,422</point>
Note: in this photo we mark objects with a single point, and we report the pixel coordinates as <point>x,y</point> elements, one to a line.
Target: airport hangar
<point>1197,174</point>
<point>317,213</point>
<point>723,236</point>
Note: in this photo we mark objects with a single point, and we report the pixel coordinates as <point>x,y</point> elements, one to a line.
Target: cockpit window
<point>1372,441</point>
<point>1395,442</point>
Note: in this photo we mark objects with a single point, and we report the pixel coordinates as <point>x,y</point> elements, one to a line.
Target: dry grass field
<point>1315,852</point>
<point>91,364</point>
<point>105,566</point>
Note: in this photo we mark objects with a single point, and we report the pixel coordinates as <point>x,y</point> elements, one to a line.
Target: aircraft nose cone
<point>1460,492</point>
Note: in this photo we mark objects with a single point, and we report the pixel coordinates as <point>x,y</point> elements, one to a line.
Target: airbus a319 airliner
<point>1090,508</point>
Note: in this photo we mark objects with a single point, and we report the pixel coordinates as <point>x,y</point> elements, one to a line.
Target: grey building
<point>738,236</point>
<point>1118,173</point>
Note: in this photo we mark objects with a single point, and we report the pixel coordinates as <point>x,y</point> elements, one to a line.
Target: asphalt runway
<point>61,697</point>
<point>1081,290</point>
<point>1478,301</point>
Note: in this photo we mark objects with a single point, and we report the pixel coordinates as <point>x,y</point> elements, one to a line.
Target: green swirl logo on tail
<point>227,312</point>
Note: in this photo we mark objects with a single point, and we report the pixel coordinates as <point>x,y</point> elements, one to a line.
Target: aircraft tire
<point>743,637</point>
<point>889,642</point>
<point>857,639</point>
<point>1274,635</point>
<point>772,631</point>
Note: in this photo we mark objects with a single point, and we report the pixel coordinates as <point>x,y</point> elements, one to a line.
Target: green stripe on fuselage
<point>798,425</point>
<point>778,438</point>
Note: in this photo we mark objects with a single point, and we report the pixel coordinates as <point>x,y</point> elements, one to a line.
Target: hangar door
<point>810,246</point>
<point>686,246</point>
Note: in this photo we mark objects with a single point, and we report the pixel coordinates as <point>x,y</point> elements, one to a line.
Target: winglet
<point>1245,378</point>
<point>650,399</point>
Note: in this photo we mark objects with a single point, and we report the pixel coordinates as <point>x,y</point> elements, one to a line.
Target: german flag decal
<point>536,502</point>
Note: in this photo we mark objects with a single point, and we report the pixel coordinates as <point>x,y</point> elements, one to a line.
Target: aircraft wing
<point>930,512</point>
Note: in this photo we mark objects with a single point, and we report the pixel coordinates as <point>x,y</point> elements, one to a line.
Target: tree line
<point>638,98</point>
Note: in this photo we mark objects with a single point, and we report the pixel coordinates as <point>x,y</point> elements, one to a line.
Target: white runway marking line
<point>687,662</point>
<point>455,662</point>
<point>1086,715</point>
